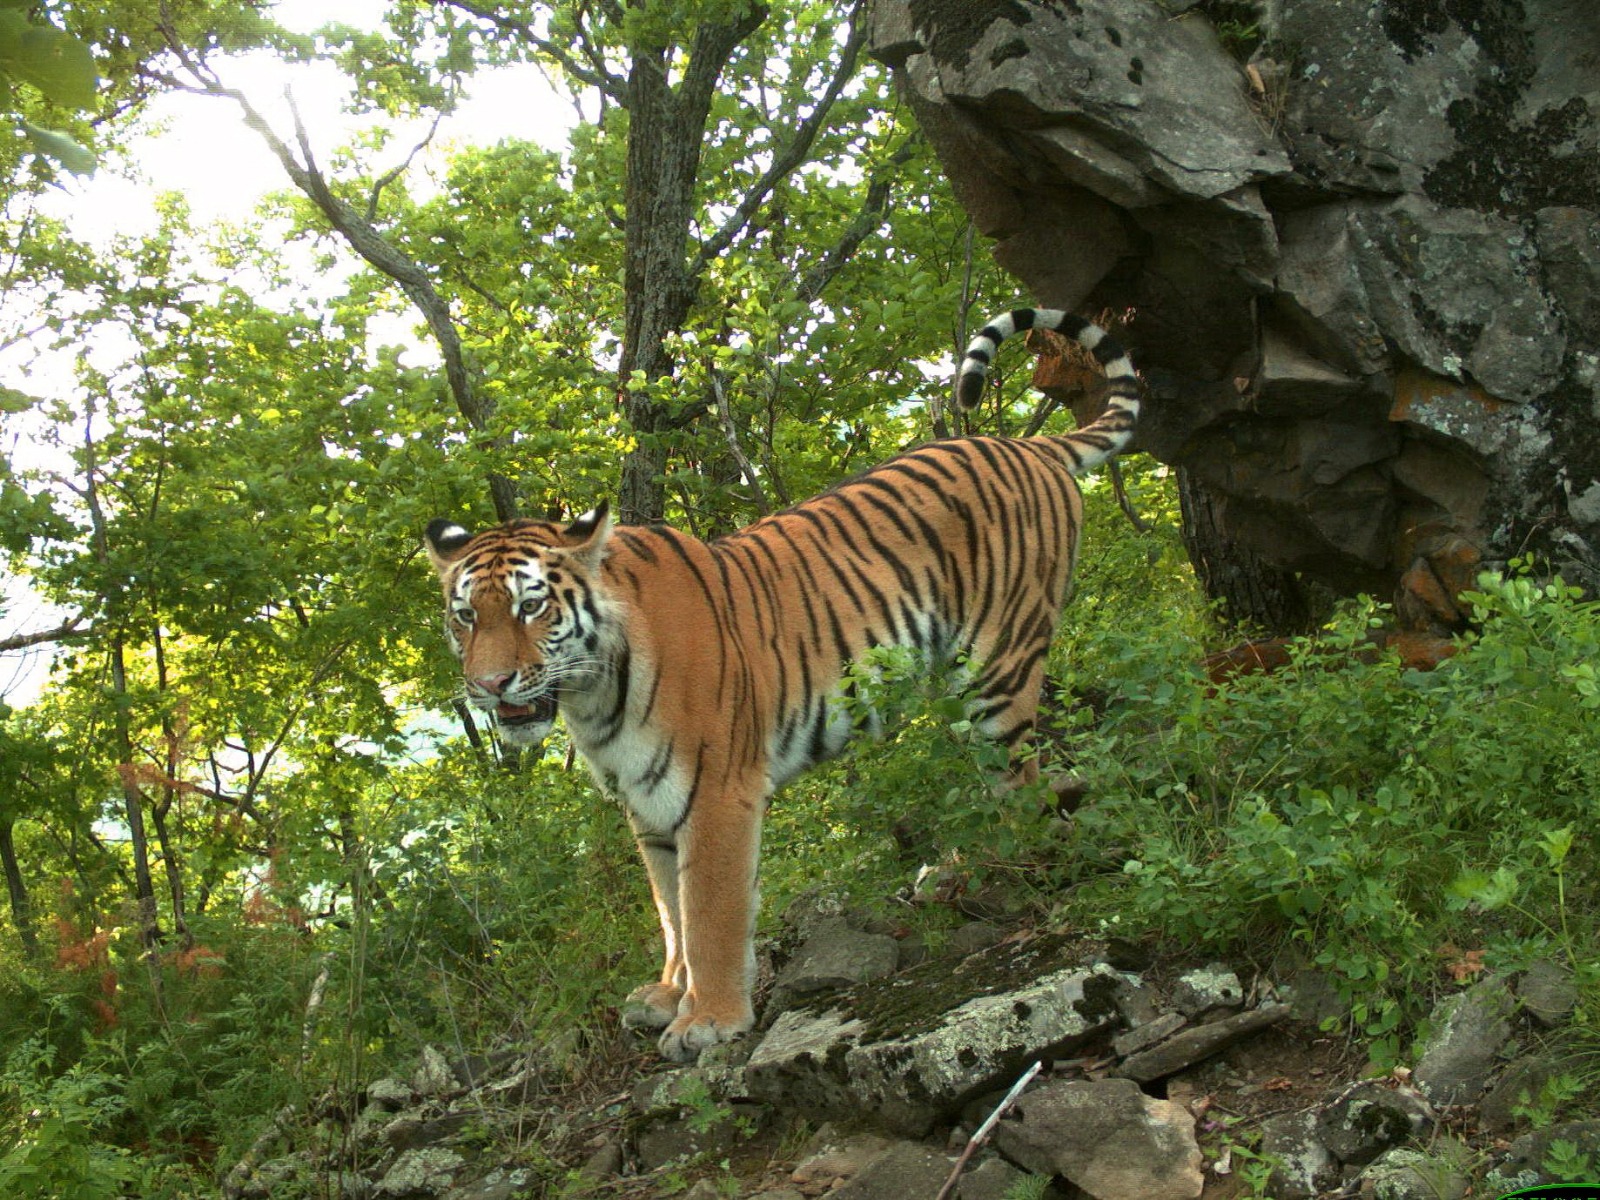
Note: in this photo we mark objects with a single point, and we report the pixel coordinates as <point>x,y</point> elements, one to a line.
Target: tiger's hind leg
<point>1005,709</point>
<point>655,1005</point>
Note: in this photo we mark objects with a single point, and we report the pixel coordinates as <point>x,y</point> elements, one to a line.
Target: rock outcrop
<point>895,1086</point>
<point>1360,243</point>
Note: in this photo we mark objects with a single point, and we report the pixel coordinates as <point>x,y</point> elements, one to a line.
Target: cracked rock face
<point>1364,266</point>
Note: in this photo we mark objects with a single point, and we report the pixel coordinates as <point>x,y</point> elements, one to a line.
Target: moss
<point>916,1000</point>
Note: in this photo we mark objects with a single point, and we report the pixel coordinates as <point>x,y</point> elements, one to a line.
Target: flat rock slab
<point>1107,1137</point>
<point>830,1063</point>
<point>1188,1047</point>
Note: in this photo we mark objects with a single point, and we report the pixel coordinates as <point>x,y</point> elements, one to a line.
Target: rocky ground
<point>875,1064</point>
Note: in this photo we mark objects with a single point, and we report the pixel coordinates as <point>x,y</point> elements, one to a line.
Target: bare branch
<point>791,156</point>
<point>987,1128</point>
<point>595,75</point>
<point>713,44</point>
<point>22,641</point>
<point>390,176</point>
<point>365,239</point>
<point>880,184</point>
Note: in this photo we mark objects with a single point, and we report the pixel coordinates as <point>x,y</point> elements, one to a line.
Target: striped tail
<point>1102,438</point>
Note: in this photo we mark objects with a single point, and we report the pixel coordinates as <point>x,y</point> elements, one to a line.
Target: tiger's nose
<point>494,684</point>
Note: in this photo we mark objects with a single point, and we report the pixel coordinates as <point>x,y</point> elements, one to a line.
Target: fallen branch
<point>984,1130</point>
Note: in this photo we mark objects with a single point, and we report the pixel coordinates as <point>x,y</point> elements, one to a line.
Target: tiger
<point>697,677</point>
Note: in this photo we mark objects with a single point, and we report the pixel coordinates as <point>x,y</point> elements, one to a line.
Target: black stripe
<point>1108,350</point>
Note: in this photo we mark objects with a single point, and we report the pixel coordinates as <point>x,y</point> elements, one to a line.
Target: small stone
<point>974,936</point>
<point>993,1179</point>
<point>390,1095</point>
<point>1135,1001</point>
<point>1142,1037</point>
<point>1201,1041</point>
<point>1524,1165</point>
<point>835,1162</point>
<point>1518,1087</point>
<point>433,1076</point>
<point>604,1163</point>
<point>424,1172</point>
<point>1547,993</point>
<point>904,1169</point>
<point>1368,1119</point>
<point>1207,988</point>
<point>410,1133</point>
<point>1107,1137</point>
<point>500,1184</point>
<point>837,956</point>
<point>1314,998</point>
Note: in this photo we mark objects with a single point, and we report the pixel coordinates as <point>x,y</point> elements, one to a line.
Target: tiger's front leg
<point>718,847</point>
<point>656,1004</point>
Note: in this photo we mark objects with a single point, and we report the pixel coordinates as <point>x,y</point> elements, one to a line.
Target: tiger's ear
<point>444,542</point>
<point>586,536</point>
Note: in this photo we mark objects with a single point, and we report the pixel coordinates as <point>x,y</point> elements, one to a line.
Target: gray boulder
<point>1469,1031</point>
<point>1107,1137</point>
<point>1302,1167</point>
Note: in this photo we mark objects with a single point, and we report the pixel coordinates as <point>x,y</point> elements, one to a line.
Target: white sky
<point>203,151</point>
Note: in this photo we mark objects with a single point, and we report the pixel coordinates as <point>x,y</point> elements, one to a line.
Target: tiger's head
<point>522,613</point>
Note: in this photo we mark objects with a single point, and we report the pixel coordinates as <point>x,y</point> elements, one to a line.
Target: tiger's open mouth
<point>541,710</point>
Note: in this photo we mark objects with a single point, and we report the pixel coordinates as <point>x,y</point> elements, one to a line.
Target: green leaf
<point>58,146</point>
<point>56,63</point>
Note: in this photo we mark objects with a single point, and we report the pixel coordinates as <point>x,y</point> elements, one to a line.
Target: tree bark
<point>1252,591</point>
<point>21,907</point>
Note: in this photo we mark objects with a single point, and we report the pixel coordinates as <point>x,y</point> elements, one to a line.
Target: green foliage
<point>1555,1093</point>
<point>58,66</point>
<point>1566,1162</point>
<point>1029,1187</point>
<point>52,1143</point>
<point>1347,804</point>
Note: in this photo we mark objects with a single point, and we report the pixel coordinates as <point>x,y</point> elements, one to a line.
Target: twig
<point>940,428</point>
<point>731,434</point>
<point>1139,523</point>
<point>984,1130</point>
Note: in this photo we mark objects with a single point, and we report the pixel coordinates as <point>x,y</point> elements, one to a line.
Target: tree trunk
<point>21,908</point>
<point>144,892</point>
<point>173,866</point>
<point>1251,590</point>
<point>663,161</point>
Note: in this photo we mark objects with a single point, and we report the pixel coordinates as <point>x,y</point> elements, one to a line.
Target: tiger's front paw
<point>651,1007</point>
<point>687,1036</point>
